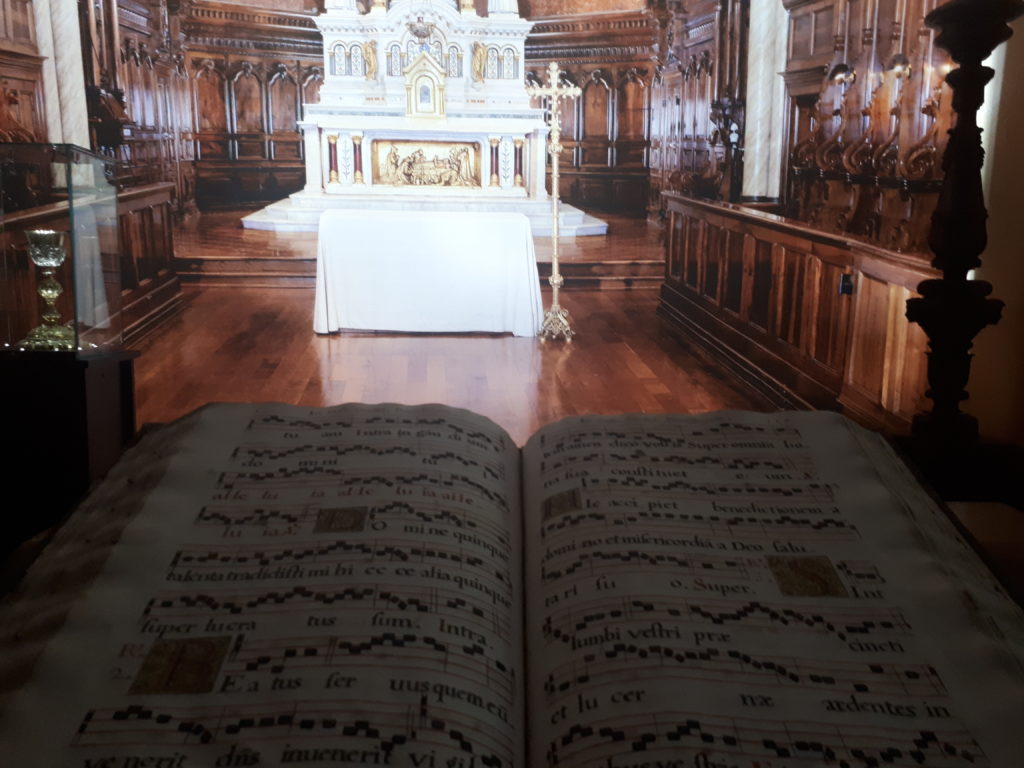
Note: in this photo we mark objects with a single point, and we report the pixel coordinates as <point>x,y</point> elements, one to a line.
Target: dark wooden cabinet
<point>66,422</point>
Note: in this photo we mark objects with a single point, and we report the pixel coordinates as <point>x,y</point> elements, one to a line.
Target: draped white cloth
<point>426,271</point>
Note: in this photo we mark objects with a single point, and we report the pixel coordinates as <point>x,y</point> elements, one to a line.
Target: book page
<point>751,591</point>
<point>305,586</point>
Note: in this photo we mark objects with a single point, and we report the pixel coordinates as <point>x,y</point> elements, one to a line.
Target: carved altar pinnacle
<point>953,310</point>
<point>556,319</point>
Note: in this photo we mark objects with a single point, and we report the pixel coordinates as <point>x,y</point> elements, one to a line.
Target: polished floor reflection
<point>253,345</point>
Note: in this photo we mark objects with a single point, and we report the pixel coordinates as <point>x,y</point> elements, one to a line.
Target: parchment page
<point>745,590</point>
<point>304,587</point>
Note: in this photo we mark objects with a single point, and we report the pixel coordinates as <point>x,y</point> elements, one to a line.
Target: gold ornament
<point>557,323</point>
<point>46,249</point>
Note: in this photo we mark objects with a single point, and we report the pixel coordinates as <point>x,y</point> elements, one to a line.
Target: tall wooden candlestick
<point>953,310</point>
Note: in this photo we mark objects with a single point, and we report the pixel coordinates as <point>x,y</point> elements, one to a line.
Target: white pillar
<point>51,93</point>
<point>342,5</point>
<point>538,164</point>
<point>997,369</point>
<point>510,7</point>
<point>766,97</point>
<point>67,56</point>
<point>314,162</point>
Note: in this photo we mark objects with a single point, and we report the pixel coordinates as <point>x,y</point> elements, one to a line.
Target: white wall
<point>997,377</point>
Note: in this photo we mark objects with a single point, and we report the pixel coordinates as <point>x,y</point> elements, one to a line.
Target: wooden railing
<point>150,289</point>
<point>812,319</point>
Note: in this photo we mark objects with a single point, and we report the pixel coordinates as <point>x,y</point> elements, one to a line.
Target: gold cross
<point>555,91</point>
<point>556,320</point>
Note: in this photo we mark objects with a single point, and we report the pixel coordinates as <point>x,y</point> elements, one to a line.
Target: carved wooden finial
<point>972,29</point>
<point>953,310</point>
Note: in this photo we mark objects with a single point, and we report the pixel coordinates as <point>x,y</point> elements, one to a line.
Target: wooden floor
<point>253,345</point>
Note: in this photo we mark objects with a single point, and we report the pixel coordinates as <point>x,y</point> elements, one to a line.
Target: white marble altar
<point>423,107</point>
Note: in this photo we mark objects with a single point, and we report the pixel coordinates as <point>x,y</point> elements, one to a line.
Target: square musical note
<point>563,503</point>
<point>181,666</point>
<point>341,519</point>
<point>806,576</point>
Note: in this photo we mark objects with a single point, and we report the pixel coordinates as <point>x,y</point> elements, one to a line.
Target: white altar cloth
<point>426,271</point>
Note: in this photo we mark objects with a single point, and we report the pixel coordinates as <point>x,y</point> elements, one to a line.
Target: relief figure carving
<point>370,58</point>
<point>414,168</point>
<point>479,61</point>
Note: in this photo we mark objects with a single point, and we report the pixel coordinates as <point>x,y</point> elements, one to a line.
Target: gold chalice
<point>46,249</point>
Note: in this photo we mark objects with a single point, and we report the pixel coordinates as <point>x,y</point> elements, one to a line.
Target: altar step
<point>301,212</point>
<point>300,272</point>
<point>607,275</point>
<point>214,249</point>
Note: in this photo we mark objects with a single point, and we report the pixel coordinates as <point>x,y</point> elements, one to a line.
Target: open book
<point>402,586</point>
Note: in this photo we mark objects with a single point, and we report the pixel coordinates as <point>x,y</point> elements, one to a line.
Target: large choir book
<point>403,586</point>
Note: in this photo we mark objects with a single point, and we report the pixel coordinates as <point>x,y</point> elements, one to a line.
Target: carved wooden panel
<point>17,26</point>
<point>535,9</point>
<point>605,132</point>
<point>771,297</point>
<point>595,136</point>
<point>312,79</point>
<point>149,286</point>
<point>865,143</point>
<point>22,113</point>
<point>703,68</point>
<point>631,121</point>
<point>210,89</point>
<point>246,92</point>
<point>269,61</point>
<point>284,110</point>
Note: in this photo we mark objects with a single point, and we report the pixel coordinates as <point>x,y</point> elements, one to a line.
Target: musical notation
<point>460,659</point>
<point>623,662</point>
<point>436,600</point>
<point>736,462</point>
<point>685,435</point>
<point>684,489</point>
<point>458,484</point>
<point>604,561</point>
<point>425,427</point>
<point>314,456</point>
<point>807,743</point>
<point>733,525</point>
<point>840,621</point>
<point>334,553</point>
<point>383,727</point>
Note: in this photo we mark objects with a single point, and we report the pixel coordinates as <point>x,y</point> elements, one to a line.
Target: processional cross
<point>556,320</point>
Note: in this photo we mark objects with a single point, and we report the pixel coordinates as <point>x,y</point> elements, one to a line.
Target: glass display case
<point>60,282</point>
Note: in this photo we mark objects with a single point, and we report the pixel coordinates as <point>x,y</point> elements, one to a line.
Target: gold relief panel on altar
<point>426,163</point>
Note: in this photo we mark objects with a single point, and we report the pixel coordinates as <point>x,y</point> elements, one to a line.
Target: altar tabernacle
<point>423,107</point>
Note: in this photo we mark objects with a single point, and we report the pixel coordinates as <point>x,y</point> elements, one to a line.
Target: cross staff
<point>556,319</point>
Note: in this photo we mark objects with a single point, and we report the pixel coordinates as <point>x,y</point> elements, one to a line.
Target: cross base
<point>556,324</point>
